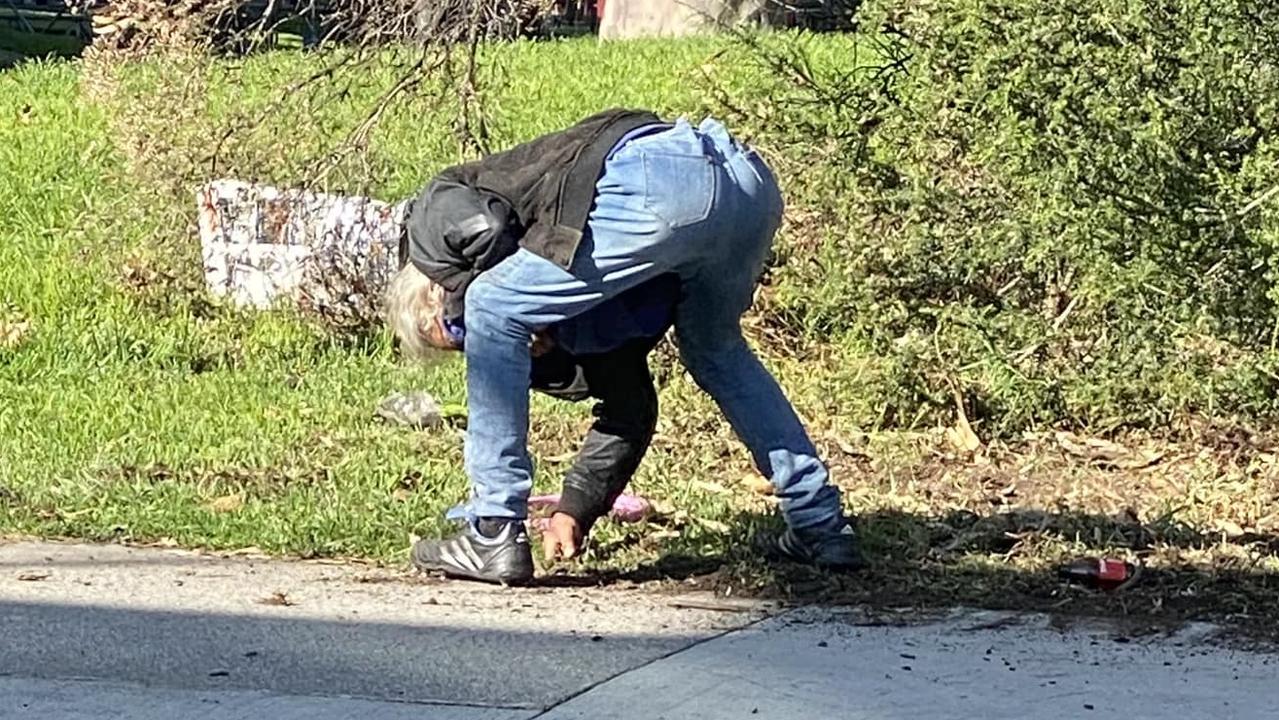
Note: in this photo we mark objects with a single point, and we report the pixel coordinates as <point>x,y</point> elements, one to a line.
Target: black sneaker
<point>504,558</point>
<point>825,547</point>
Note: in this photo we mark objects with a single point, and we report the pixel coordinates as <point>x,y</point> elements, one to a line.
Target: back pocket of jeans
<point>679,189</point>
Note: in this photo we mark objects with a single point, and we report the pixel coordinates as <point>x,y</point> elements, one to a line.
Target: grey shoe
<point>830,548</point>
<point>505,558</point>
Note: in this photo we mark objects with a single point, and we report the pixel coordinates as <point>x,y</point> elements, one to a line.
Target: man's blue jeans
<point>690,201</point>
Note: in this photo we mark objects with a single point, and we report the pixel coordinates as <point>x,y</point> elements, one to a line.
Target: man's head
<point>415,312</point>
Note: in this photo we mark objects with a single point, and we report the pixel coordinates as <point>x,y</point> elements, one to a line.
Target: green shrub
<point>1063,209</point>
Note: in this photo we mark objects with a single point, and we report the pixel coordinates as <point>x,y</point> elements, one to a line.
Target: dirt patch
<point>987,529</point>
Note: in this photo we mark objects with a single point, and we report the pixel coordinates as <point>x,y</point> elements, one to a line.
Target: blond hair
<point>413,305</point>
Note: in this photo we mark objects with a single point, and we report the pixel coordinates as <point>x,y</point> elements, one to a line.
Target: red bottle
<point>1103,573</point>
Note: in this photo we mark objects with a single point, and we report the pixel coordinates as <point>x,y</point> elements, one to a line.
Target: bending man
<point>571,221</point>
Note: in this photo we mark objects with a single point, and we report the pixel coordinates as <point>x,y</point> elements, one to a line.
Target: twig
<point>358,136</point>
<point>324,73</point>
<point>1061,319</point>
<point>1258,201</point>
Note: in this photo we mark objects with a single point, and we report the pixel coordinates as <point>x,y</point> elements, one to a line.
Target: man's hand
<point>562,538</point>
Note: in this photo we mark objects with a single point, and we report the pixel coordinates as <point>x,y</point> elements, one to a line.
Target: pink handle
<point>627,508</point>
<point>542,501</point>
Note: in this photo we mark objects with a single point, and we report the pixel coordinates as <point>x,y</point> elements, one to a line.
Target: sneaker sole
<point>773,550</point>
<point>455,573</point>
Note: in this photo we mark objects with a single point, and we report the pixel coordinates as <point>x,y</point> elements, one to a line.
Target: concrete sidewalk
<point>186,621</point>
<point>95,632</point>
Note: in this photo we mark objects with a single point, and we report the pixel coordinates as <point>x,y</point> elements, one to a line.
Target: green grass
<point>132,408</point>
<point>102,392</point>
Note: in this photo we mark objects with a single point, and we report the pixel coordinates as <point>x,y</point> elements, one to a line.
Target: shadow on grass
<point>1003,561</point>
<point>673,565</point>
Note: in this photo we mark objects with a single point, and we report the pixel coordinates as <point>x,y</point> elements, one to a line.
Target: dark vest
<point>537,195</point>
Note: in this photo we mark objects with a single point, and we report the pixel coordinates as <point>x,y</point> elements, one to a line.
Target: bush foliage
<point>1061,211</point>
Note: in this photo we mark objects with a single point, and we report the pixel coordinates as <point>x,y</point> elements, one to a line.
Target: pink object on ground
<point>630,508</point>
<point>627,508</point>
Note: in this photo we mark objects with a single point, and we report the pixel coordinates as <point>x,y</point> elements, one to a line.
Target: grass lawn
<point>133,408</point>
